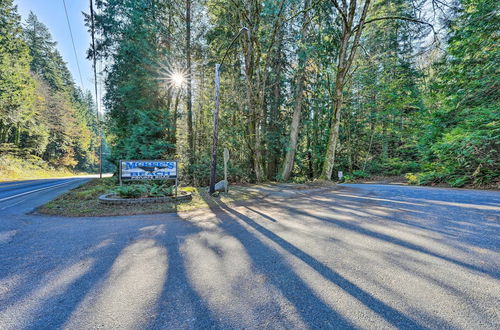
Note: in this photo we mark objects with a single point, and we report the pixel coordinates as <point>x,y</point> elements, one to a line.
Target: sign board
<point>340,175</point>
<point>148,170</point>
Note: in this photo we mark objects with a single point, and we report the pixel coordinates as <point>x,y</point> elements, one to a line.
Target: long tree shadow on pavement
<point>385,311</point>
<point>358,229</point>
<point>313,311</point>
<point>179,305</point>
<point>50,302</point>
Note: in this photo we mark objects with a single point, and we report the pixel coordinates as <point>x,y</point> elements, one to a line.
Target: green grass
<point>13,168</point>
<point>83,200</point>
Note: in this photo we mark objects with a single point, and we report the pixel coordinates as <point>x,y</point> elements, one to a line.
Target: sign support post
<point>120,169</point>
<point>226,159</point>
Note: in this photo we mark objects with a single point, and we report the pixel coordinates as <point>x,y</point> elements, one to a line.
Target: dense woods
<point>44,117</point>
<point>401,87</point>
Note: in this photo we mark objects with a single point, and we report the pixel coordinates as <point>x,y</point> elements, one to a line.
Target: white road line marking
<point>6,207</point>
<point>32,191</point>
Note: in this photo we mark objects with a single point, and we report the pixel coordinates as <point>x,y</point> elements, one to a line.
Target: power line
<point>73,42</point>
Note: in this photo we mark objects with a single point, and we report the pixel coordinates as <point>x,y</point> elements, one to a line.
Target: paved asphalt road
<point>357,256</point>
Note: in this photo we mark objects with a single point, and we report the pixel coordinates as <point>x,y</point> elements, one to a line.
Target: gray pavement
<point>354,256</point>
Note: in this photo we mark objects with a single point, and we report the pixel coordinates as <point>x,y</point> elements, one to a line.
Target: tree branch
<point>403,18</point>
<point>302,11</point>
<point>357,36</point>
<point>341,12</point>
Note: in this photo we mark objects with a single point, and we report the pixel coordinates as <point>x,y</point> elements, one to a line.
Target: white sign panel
<point>148,169</point>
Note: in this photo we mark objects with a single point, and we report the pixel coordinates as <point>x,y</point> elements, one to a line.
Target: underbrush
<point>434,177</point>
<point>31,167</point>
<point>145,190</point>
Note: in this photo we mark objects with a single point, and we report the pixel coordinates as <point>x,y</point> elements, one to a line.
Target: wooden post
<point>120,171</point>
<point>94,57</point>
<point>226,159</point>
<point>213,165</point>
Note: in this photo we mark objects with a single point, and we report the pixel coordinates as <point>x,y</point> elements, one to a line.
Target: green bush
<point>397,166</point>
<point>359,174</point>
<point>347,178</point>
<point>132,191</point>
<point>411,178</point>
<point>458,182</point>
<point>160,190</point>
<point>299,179</point>
<point>470,152</point>
<point>145,190</point>
<point>432,177</point>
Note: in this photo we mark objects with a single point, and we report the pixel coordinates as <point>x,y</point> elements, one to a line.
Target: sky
<point>51,13</point>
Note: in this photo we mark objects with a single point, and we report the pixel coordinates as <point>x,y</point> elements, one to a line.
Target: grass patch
<point>83,200</point>
<point>14,168</point>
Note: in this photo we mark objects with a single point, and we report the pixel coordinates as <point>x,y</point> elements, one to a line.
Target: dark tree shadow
<point>391,239</point>
<point>313,311</point>
<point>179,305</point>
<point>57,309</point>
<point>387,312</point>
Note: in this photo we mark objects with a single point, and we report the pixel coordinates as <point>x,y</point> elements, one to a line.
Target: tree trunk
<point>299,96</point>
<point>273,120</point>
<point>256,73</point>
<point>254,106</point>
<point>174,124</point>
<point>189,101</point>
<point>337,107</point>
<point>294,129</point>
<point>258,159</point>
<point>3,132</point>
<point>345,59</point>
<point>17,139</point>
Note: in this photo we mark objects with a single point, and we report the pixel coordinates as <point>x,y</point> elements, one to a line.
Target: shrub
<point>457,182</point>
<point>359,174</point>
<point>132,191</point>
<point>161,190</point>
<point>397,166</point>
<point>411,178</point>
<point>431,177</point>
<point>145,190</point>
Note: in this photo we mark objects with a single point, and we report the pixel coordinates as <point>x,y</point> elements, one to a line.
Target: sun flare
<point>177,79</point>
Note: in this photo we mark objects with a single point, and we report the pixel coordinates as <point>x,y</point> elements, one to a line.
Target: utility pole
<point>215,139</point>
<point>99,128</point>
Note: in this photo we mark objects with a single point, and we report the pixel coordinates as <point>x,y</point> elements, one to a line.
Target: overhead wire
<point>73,43</point>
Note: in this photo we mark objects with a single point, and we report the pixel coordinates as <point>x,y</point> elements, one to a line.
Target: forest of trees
<point>380,87</point>
<point>44,117</point>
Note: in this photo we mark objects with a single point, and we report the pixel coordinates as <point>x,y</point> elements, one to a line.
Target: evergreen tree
<point>16,84</point>
<point>464,130</point>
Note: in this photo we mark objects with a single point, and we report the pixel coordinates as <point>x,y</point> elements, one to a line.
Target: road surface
<point>354,256</point>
